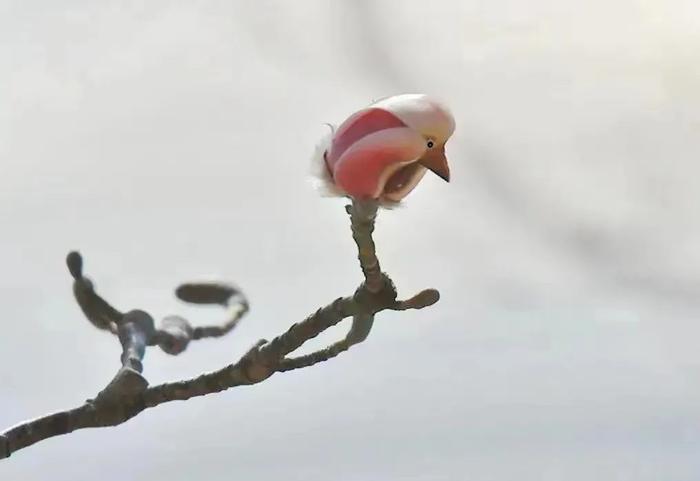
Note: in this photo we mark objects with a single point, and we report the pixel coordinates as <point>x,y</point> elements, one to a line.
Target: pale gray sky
<point>170,141</point>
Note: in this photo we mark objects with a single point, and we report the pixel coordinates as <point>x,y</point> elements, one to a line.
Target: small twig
<point>309,328</point>
<point>236,313</point>
<point>424,298</point>
<point>362,216</point>
<point>98,311</point>
<point>175,332</point>
<point>291,363</point>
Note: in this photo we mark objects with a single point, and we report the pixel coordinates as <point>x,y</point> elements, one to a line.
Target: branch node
<point>376,300</point>
<point>136,331</point>
<point>126,384</point>
<point>256,366</point>
<point>174,335</point>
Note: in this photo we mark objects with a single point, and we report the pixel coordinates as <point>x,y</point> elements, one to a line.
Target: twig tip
<point>75,264</point>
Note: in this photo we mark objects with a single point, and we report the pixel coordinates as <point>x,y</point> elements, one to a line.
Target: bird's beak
<point>435,160</point>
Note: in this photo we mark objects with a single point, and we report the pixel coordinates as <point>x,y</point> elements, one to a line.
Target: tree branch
<point>128,393</point>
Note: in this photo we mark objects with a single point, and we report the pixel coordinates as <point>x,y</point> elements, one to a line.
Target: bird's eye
<point>430,144</point>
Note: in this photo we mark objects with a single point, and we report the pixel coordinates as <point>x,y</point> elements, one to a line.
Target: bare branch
<point>128,393</point>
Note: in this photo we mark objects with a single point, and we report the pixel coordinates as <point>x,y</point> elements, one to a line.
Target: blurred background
<point>170,141</point>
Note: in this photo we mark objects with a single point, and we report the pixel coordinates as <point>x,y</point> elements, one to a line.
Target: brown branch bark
<point>128,394</point>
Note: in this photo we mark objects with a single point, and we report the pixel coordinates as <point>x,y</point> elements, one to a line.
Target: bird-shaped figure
<point>383,151</point>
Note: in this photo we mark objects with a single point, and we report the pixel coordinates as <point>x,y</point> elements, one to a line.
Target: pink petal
<point>357,126</point>
<point>365,166</point>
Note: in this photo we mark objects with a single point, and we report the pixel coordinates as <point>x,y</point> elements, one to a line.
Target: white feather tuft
<point>320,177</point>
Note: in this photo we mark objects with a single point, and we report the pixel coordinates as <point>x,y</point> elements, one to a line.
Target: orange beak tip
<point>442,173</point>
<point>437,163</point>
